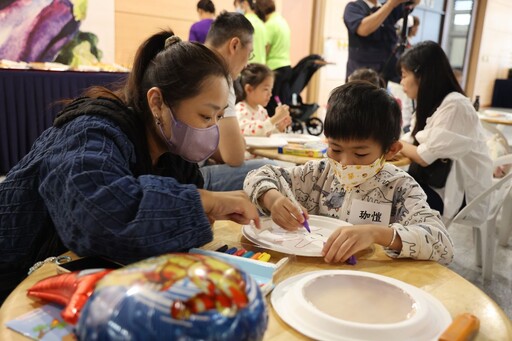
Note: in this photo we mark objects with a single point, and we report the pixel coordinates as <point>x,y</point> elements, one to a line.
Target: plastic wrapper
<point>70,290</point>
<point>175,297</point>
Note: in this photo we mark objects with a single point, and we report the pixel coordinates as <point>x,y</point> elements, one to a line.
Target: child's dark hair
<point>228,25</point>
<point>369,75</point>
<point>359,110</point>
<point>253,74</point>
<point>206,5</point>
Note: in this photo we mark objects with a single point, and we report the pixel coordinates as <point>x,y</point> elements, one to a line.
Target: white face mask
<point>353,175</point>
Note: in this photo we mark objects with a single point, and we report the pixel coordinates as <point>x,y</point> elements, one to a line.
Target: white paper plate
<point>429,321</point>
<point>300,242</point>
<point>297,138</point>
<point>264,142</point>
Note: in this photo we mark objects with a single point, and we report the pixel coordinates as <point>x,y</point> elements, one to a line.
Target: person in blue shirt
<point>117,174</point>
<point>372,36</point>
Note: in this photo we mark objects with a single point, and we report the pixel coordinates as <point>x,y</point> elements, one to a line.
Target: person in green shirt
<point>259,40</point>
<point>278,49</point>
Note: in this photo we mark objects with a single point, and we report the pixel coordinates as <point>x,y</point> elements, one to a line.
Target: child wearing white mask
<point>355,184</point>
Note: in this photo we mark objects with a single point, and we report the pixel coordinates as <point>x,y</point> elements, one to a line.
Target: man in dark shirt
<point>372,35</point>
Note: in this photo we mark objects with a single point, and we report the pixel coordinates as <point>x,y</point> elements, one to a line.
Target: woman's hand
<point>234,206</point>
<point>283,212</point>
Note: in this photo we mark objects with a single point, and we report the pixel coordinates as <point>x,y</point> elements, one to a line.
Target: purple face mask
<point>192,144</point>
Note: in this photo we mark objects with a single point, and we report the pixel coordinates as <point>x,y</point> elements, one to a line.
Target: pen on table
<point>290,196</point>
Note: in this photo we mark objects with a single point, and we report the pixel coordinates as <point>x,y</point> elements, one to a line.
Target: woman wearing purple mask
<point>116,175</point>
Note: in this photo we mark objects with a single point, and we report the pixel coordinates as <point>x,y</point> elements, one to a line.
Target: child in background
<point>369,75</point>
<point>255,88</point>
<point>385,204</point>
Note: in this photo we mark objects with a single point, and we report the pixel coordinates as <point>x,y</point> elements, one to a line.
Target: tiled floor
<point>500,287</point>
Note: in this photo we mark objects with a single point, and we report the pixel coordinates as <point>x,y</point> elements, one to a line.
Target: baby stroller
<point>301,112</point>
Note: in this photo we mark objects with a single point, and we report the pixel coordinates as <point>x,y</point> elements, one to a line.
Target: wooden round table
<point>453,291</point>
<point>271,153</point>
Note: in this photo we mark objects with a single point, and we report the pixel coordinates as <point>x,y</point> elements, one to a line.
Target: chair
<point>484,233</point>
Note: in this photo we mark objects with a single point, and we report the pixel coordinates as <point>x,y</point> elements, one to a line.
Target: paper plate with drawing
<point>300,242</point>
<point>62,31</point>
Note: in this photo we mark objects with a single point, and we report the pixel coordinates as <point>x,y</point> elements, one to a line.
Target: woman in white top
<point>447,144</point>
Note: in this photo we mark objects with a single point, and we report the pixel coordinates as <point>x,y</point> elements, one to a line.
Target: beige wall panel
<point>495,55</point>
<point>181,9</point>
<point>133,29</point>
<point>299,15</point>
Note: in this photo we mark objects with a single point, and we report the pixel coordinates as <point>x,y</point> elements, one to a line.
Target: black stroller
<point>290,94</point>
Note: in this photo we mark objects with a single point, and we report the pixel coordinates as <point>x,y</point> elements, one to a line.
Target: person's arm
<point>300,179</point>
<point>231,150</point>
<point>418,231</point>
<point>422,232</point>
<point>99,208</point>
<point>411,151</point>
<point>372,22</point>
<point>451,133</point>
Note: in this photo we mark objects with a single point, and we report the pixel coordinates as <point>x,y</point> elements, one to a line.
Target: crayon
<point>256,255</point>
<point>264,257</point>
<point>223,248</point>
<point>248,254</point>
<point>231,251</point>
<point>240,252</point>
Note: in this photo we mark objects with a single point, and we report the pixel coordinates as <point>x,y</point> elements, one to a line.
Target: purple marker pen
<point>278,100</point>
<point>305,223</point>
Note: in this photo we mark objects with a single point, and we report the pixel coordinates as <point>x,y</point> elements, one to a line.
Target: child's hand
<point>346,241</point>
<point>282,111</point>
<point>283,124</point>
<point>285,214</point>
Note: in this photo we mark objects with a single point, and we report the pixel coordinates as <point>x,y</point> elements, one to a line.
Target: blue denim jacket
<point>76,184</point>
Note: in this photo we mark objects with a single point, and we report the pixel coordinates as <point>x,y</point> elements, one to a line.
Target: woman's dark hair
<point>253,74</point>
<point>264,8</point>
<point>359,110</point>
<point>167,66</point>
<point>206,5</point>
<point>228,25</point>
<point>431,67</point>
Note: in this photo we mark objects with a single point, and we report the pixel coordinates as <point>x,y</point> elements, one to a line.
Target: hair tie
<point>171,40</point>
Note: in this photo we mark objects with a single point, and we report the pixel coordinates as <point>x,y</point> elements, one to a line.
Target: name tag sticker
<point>364,212</point>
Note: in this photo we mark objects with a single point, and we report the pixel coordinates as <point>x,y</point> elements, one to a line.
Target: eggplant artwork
<point>38,30</point>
